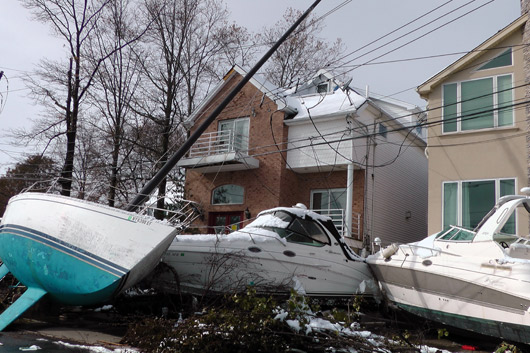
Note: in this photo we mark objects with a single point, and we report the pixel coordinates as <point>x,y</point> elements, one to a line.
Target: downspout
<point>369,181</point>
<point>349,183</point>
<point>349,198</point>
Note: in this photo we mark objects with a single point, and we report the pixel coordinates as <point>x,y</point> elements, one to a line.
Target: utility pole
<point>170,164</point>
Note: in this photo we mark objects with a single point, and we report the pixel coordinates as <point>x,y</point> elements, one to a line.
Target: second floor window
<point>478,104</point>
<point>234,133</point>
<point>466,202</point>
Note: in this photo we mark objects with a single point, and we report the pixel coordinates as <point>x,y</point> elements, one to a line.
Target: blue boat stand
<point>26,301</point>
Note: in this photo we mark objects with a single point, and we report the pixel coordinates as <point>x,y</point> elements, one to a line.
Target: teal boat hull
<point>67,274</point>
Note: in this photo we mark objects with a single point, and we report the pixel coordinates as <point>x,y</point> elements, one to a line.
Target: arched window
<point>227,195</point>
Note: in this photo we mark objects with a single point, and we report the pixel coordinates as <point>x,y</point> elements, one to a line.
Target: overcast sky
<point>23,42</point>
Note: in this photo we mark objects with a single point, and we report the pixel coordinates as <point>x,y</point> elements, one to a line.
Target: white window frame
<point>459,196</point>
<point>233,121</point>
<point>495,57</point>
<point>328,191</point>
<point>495,104</point>
<point>229,203</point>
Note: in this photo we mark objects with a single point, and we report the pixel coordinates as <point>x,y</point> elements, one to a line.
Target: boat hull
<point>233,265</point>
<point>78,252</point>
<point>474,294</point>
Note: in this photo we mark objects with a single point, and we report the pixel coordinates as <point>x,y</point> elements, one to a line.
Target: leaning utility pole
<point>170,164</point>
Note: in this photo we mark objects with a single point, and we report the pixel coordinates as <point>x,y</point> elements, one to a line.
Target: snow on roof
<point>247,234</point>
<point>325,104</point>
<point>299,212</point>
<point>269,220</point>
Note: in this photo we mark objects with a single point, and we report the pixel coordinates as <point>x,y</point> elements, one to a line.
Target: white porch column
<point>349,201</point>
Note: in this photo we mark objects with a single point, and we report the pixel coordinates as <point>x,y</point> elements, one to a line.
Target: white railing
<point>219,142</point>
<point>337,216</point>
<point>181,213</point>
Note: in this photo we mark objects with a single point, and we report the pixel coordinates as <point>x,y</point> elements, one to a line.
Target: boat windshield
<point>456,234</point>
<point>301,231</point>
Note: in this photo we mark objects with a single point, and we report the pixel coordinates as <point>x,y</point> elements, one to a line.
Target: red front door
<point>225,222</point>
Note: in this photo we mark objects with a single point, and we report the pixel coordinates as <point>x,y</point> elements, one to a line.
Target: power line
<point>396,30</point>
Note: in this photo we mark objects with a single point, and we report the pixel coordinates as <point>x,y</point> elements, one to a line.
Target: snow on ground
<point>97,349</point>
<point>317,324</point>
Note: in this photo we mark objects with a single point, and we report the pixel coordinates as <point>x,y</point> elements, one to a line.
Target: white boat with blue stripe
<point>75,251</point>
<point>477,280</point>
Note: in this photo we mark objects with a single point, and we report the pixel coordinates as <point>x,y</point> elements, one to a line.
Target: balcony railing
<point>219,142</point>
<point>337,216</point>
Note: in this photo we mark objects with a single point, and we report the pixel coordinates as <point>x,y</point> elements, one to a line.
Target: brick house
<point>478,151</point>
<point>359,159</point>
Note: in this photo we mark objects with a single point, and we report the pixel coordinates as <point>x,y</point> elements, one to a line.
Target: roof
<point>425,88</point>
<point>269,89</point>
<point>343,100</point>
<point>303,102</point>
<point>339,102</point>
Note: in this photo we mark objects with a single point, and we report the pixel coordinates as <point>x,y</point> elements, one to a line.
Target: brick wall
<point>262,185</point>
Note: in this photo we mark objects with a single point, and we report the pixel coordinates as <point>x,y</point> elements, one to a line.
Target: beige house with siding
<point>477,130</point>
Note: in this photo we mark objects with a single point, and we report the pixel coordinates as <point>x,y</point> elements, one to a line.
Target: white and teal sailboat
<point>75,251</point>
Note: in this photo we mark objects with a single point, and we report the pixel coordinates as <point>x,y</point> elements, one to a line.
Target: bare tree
<point>63,85</point>
<point>302,54</point>
<point>116,83</point>
<point>187,42</point>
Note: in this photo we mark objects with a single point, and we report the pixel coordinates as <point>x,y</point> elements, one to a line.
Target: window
<point>234,132</point>
<point>331,203</point>
<point>382,130</point>
<point>504,59</point>
<point>477,104</point>
<point>329,199</point>
<point>305,232</point>
<point>465,203</point>
<point>323,87</point>
<point>298,230</point>
<point>228,195</point>
<point>456,234</point>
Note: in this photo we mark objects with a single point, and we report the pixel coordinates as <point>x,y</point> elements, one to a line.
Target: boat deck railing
<point>180,213</point>
<point>49,186</point>
<point>415,249</point>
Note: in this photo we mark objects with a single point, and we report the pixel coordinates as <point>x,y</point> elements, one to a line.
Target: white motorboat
<point>474,280</point>
<point>75,251</point>
<point>282,248</point>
